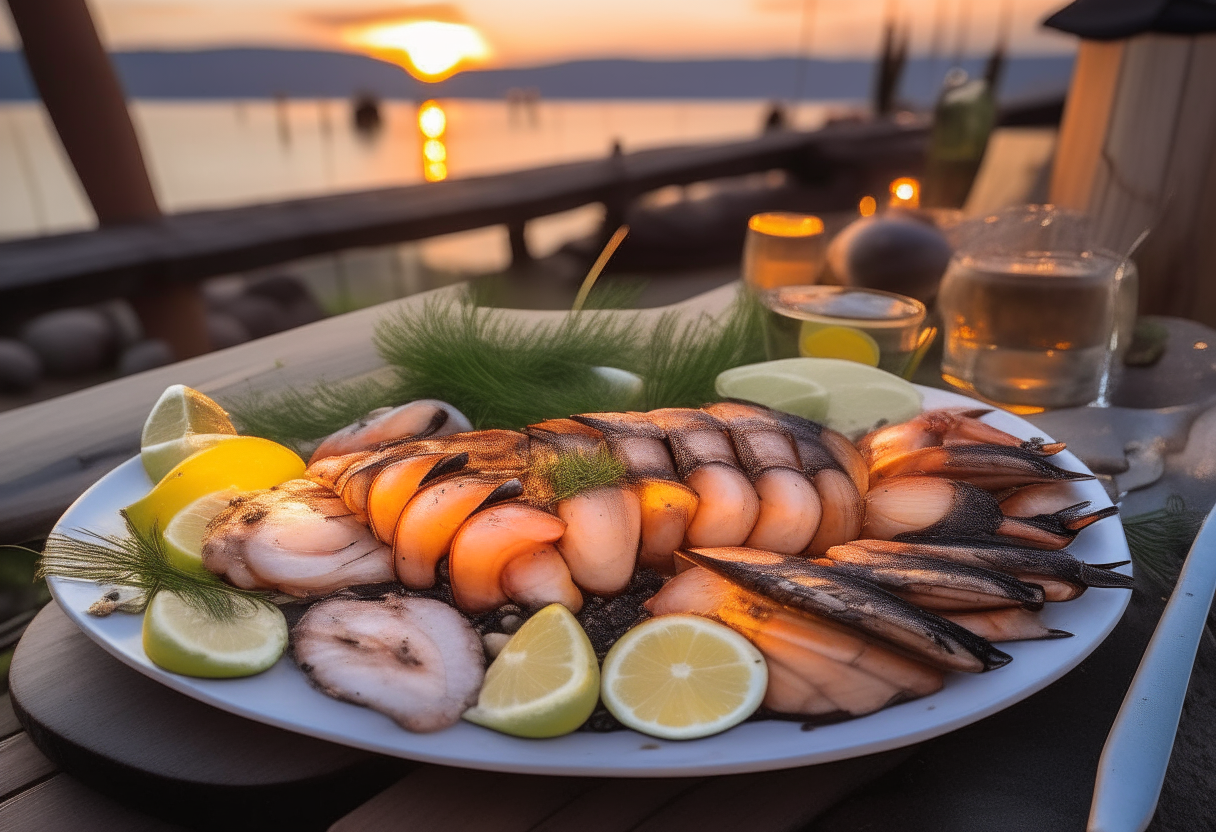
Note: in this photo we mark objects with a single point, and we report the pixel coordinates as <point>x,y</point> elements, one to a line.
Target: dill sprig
<point>294,417</point>
<point>507,374</point>
<point>503,373</point>
<point>1159,539</point>
<point>139,560</point>
<point>572,473</point>
<point>684,359</point>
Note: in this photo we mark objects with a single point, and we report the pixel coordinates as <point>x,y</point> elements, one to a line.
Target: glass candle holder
<point>783,249</point>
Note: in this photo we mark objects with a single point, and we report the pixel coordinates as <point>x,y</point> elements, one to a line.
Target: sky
<point>530,32</point>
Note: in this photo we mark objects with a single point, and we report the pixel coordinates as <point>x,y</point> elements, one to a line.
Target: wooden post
<point>1137,150</point>
<point>82,95</point>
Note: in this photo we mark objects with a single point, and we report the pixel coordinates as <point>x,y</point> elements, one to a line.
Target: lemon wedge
<point>182,422</point>
<point>244,463</point>
<point>544,683</point>
<point>680,677</point>
<point>183,534</point>
<point>186,640</point>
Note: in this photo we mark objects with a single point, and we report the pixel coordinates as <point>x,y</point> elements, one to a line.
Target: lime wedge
<point>844,395</point>
<point>679,677</point>
<point>182,422</point>
<point>185,640</point>
<point>783,391</point>
<point>183,535</point>
<point>544,683</point>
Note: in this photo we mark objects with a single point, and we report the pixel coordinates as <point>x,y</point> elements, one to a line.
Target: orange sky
<point>522,32</point>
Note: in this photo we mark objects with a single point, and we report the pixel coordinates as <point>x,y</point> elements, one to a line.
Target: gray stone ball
<point>71,341</point>
<point>225,331</point>
<point>145,355</point>
<point>260,316</point>
<point>896,254</point>
<point>20,367</point>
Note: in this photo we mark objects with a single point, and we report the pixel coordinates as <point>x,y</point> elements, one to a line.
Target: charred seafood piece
<point>993,467</point>
<point>1061,576</point>
<point>433,516</point>
<point>416,660</point>
<point>816,667</point>
<point>667,506</point>
<point>727,504</point>
<point>935,584</point>
<point>1011,624</point>
<point>426,417</point>
<point>298,538</point>
<point>505,553</point>
<point>829,593</point>
<point>945,426</point>
<point>790,507</point>
<point>933,509</point>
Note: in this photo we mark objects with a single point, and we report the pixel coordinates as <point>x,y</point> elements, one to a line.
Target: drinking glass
<point>881,329</point>
<point>783,249</point>
<point>1033,312</point>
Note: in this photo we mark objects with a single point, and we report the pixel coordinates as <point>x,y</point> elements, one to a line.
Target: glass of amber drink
<point>1032,312</point>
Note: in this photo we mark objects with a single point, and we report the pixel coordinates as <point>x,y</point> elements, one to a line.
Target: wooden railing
<point>117,261</point>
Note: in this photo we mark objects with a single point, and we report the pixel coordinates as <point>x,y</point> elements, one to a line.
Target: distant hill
<point>297,73</point>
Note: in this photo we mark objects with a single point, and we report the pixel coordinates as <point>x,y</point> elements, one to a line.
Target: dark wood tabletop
<point>99,746</point>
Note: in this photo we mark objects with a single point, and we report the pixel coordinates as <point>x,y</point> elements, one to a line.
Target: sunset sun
<point>429,50</point>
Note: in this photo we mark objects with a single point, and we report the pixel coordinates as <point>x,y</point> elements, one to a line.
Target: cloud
<point>440,12</point>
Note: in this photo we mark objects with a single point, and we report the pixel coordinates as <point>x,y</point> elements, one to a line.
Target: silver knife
<point>1138,747</point>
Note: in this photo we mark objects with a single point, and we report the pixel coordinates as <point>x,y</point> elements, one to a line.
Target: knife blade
<point>1137,751</point>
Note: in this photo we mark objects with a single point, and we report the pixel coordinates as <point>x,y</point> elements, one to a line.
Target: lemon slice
<point>843,342</point>
<point>680,677</point>
<point>185,640</point>
<point>544,683</point>
<point>245,463</point>
<point>184,533</point>
<point>182,422</point>
<point>791,393</point>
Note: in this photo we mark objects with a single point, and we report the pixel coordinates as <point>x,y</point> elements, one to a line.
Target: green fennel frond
<point>139,560</point>
<point>1159,539</point>
<point>572,473</point>
<point>293,417</point>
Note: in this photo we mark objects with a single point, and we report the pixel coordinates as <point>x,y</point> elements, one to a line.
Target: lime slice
<point>246,463</point>
<point>184,533</point>
<point>851,397</point>
<point>182,422</point>
<point>791,393</point>
<point>843,342</point>
<point>185,640</point>
<point>679,677</point>
<point>544,683</point>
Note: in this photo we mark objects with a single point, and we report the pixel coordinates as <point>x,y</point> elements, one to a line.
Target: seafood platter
<point>827,597</point>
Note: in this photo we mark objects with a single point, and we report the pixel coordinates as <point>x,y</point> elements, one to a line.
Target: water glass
<point>783,249</point>
<point>1033,313</point>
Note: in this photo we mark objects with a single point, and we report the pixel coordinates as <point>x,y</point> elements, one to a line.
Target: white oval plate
<point>282,696</point>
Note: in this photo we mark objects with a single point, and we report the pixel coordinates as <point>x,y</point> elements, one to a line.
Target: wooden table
<point>106,748</point>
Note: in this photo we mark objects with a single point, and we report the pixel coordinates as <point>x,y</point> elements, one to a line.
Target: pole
<point>82,95</point>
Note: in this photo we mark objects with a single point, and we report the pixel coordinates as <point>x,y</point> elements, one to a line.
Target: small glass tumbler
<point>881,329</point>
<point>1033,313</point>
<point>783,250</point>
